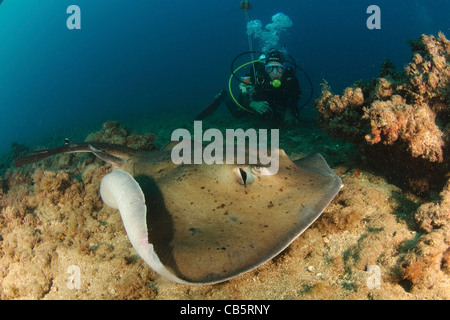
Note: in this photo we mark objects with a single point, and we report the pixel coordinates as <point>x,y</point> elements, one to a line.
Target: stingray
<point>206,223</point>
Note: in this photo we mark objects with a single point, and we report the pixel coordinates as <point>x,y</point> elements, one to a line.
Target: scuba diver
<point>270,90</point>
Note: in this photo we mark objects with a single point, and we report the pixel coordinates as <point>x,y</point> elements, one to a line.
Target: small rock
<point>311,268</point>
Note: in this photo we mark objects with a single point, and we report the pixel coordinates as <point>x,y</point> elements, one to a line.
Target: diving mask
<point>271,67</point>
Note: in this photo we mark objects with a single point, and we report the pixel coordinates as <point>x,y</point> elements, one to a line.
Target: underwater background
<point>138,70</point>
<point>134,59</point>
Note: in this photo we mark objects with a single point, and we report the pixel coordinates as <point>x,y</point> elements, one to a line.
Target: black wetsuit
<point>280,99</point>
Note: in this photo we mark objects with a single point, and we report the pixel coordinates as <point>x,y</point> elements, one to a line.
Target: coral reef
<point>400,121</point>
<point>113,132</point>
<point>49,219</point>
<point>435,215</point>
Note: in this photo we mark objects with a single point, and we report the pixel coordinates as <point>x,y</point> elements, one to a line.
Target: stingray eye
<point>244,175</point>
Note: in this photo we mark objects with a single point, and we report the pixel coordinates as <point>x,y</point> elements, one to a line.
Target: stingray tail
<point>39,155</point>
<point>108,152</point>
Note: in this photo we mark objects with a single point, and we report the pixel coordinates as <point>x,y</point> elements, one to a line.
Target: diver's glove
<point>260,107</point>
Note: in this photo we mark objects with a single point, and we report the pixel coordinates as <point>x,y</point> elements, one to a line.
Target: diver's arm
<point>245,99</point>
<point>260,107</point>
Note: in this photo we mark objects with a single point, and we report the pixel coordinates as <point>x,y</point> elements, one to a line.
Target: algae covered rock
<point>400,120</point>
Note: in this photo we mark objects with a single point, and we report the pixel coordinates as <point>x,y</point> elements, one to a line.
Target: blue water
<point>139,57</point>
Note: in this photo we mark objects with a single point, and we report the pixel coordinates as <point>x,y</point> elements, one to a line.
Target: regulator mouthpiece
<point>276,83</point>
